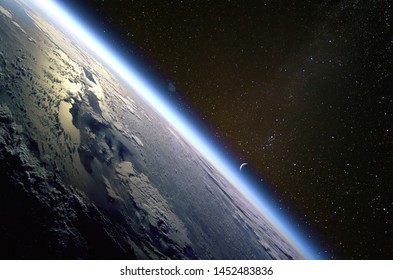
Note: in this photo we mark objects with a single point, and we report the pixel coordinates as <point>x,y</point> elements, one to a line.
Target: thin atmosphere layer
<point>196,137</point>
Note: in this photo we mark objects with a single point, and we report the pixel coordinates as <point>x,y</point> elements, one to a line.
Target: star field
<point>299,90</point>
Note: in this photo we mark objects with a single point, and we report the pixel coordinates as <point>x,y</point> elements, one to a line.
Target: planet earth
<point>89,170</point>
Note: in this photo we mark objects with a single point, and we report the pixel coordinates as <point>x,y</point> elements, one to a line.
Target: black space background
<point>301,90</point>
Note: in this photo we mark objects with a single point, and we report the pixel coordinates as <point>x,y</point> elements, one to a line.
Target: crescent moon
<point>242,165</point>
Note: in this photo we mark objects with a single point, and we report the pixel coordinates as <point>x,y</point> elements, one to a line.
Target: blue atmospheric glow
<point>197,139</point>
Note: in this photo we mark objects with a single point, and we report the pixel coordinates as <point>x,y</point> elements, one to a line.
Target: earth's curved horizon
<point>92,171</point>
